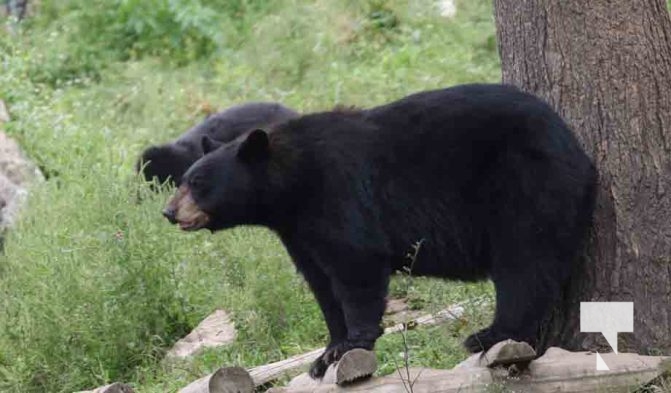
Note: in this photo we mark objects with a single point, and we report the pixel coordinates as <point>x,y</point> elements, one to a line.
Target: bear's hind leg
<point>523,301</point>
<point>533,231</point>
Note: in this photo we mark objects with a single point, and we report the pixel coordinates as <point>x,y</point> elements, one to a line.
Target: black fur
<point>171,160</point>
<point>488,177</point>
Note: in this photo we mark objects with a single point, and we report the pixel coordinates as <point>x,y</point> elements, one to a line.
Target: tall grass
<point>94,285</point>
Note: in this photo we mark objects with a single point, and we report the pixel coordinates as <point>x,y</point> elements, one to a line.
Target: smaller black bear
<point>171,160</point>
<point>489,178</point>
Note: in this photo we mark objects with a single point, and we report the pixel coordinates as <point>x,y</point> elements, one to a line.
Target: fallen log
<point>214,331</point>
<point>514,355</point>
<point>556,371</point>
<point>261,375</point>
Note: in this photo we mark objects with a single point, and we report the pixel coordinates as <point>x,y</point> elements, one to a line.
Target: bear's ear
<point>255,147</point>
<point>208,144</point>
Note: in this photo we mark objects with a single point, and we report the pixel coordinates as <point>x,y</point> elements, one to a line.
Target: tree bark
<point>605,66</point>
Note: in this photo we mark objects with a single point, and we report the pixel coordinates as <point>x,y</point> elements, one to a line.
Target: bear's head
<point>232,185</point>
<point>166,162</point>
<point>171,161</point>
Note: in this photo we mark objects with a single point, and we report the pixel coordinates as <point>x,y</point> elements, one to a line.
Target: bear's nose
<point>170,215</point>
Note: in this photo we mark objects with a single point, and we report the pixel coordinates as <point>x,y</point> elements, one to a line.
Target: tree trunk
<point>605,66</point>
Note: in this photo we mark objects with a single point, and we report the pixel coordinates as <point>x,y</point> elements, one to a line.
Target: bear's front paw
<point>486,338</point>
<point>332,354</point>
<point>318,368</point>
<point>482,340</point>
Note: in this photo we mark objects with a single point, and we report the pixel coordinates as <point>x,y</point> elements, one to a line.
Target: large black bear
<point>490,178</point>
<point>171,160</point>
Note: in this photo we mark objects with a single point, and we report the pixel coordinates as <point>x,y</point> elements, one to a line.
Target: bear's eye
<point>197,182</point>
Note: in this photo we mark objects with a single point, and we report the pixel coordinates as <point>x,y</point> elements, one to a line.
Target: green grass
<point>95,285</point>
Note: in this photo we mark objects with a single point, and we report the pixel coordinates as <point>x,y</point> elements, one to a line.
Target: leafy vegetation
<point>94,284</point>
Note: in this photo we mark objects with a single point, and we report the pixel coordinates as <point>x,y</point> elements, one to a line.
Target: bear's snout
<point>183,210</point>
<point>169,213</point>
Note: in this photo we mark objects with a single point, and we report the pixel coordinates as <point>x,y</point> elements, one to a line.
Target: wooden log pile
<point>556,371</point>
<point>508,366</point>
<point>262,375</point>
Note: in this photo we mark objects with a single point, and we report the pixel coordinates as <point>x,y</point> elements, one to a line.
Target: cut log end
<point>231,380</point>
<point>354,365</point>
<point>512,355</point>
<point>509,353</point>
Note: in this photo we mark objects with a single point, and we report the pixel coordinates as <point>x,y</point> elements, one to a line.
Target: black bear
<point>171,160</point>
<point>489,178</point>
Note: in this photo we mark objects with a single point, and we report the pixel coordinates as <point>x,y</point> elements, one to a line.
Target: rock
<point>11,198</point>
<point>14,164</point>
<point>214,331</point>
<point>17,173</point>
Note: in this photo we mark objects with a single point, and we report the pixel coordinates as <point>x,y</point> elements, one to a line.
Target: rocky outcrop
<point>11,198</point>
<point>16,175</point>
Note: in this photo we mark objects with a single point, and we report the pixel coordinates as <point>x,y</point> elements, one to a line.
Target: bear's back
<point>477,113</point>
<point>454,132</point>
<point>232,122</point>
